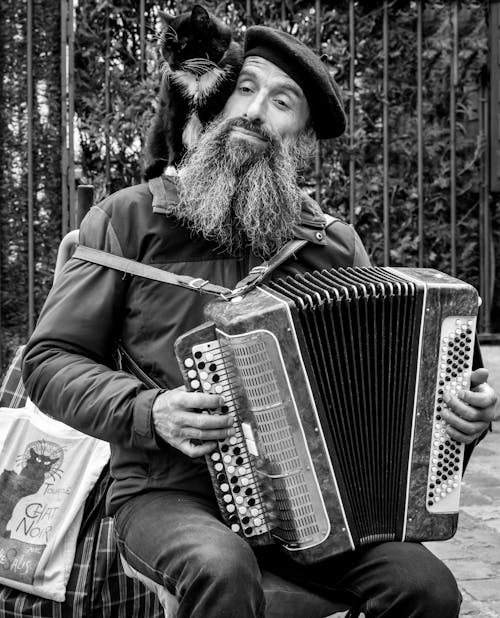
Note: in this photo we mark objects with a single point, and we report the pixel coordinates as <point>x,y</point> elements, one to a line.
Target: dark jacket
<point>69,364</point>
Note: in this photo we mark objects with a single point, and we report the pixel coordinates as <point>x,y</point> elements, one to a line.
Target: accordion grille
<point>296,518</point>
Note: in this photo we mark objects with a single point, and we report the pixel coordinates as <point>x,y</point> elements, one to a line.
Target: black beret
<point>307,70</point>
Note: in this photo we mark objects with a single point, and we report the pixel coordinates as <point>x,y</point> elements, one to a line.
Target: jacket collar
<point>311,226</point>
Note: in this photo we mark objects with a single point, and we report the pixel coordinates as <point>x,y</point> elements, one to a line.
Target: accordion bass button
<point>188,362</point>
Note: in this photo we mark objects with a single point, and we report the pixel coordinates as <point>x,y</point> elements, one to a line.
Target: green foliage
<point>116,84</point>
<point>45,154</point>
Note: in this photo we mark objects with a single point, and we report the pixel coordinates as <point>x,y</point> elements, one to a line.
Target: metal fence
<point>339,165</point>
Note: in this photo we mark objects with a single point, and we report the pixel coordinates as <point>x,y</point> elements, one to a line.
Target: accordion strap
<point>131,267</point>
<point>260,272</point>
<point>203,286</point>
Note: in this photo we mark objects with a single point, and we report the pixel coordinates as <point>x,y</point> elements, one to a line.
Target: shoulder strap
<point>131,267</point>
<point>260,272</point>
<point>254,277</point>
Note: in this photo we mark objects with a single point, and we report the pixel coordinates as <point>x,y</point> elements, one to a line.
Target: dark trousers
<point>178,540</point>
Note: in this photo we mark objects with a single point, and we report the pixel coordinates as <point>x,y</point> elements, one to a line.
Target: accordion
<point>336,380</point>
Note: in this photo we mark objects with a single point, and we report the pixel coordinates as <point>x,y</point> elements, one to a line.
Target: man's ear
<point>166,18</point>
<point>200,19</point>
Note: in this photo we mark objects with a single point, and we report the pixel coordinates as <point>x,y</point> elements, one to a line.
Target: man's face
<point>266,96</point>
<point>238,186</point>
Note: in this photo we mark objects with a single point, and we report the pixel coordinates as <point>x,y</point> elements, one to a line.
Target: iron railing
<point>68,149</point>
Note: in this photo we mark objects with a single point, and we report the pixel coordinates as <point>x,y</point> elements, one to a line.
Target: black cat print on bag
<point>202,63</point>
<point>40,460</point>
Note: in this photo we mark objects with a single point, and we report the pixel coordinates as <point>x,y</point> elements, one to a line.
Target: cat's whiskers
<point>169,35</point>
<point>198,66</point>
<point>55,472</point>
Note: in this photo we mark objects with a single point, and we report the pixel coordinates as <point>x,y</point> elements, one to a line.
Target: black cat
<point>203,63</point>
<point>14,486</point>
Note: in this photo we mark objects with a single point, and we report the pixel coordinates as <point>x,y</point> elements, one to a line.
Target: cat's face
<point>193,35</point>
<point>40,461</point>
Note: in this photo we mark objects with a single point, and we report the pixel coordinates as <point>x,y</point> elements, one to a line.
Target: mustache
<point>249,125</point>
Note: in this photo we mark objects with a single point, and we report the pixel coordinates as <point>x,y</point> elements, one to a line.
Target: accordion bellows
<point>336,380</point>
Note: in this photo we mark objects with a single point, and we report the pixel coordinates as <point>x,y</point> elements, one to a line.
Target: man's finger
<point>207,434</point>
<point>459,436</point>
<point>201,401</point>
<point>194,449</point>
<point>204,421</point>
<point>465,427</point>
<point>478,376</point>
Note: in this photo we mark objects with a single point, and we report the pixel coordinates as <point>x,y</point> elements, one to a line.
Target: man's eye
<point>281,103</point>
<point>245,89</point>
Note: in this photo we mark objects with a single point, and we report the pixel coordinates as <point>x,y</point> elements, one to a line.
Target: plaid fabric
<point>97,585</point>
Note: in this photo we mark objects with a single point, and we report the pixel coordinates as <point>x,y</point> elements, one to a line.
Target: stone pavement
<point>473,554</point>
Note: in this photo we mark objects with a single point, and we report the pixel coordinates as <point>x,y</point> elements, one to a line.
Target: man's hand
<point>470,412</point>
<point>178,420</point>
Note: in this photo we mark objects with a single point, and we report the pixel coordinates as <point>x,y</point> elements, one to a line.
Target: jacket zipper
<point>133,368</point>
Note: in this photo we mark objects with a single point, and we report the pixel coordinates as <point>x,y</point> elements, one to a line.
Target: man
<point>239,201</point>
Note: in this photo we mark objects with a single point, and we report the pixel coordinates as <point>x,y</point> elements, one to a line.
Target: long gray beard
<point>236,196</point>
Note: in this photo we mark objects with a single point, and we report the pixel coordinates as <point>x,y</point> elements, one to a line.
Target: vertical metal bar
<point>248,12</point>
<point>31,256</point>
<point>487,242</point>
<point>385,129</point>
<point>453,167</point>
<point>420,137</point>
<point>317,158</point>
<point>107,106</point>
<point>142,34</point>
<point>352,75</point>
<point>71,113</point>
<point>283,10</point>
<point>485,276</point>
<point>64,117</point>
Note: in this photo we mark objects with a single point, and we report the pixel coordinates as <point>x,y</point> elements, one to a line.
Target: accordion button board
<point>337,381</point>
<point>238,494</point>
<point>446,456</point>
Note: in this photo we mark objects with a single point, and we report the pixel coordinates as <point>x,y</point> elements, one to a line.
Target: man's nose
<point>256,109</point>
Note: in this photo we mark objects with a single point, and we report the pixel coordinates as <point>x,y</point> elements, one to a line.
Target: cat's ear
<point>200,19</point>
<point>166,18</point>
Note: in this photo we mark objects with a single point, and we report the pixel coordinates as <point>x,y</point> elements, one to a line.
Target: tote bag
<point>47,470</point>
